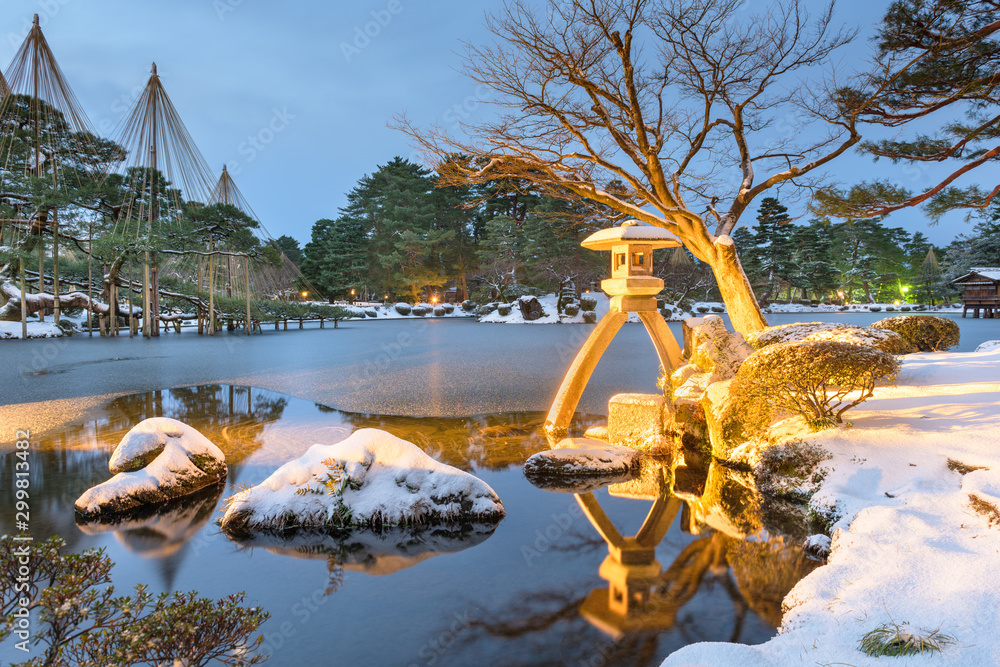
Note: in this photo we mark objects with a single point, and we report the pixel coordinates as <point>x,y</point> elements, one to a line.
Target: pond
<point>531,592</point>
<point>540,589</point>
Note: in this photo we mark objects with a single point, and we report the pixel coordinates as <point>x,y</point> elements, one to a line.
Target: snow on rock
<point>817,546</point>
<point>158,460</point>
<point>370,479</point>
<point>988,345</point>
<point>376,553</point>
<point>912,493</point>
<point>577,457</point>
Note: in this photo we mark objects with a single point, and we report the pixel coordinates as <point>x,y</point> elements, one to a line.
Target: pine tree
<point>772,240</point>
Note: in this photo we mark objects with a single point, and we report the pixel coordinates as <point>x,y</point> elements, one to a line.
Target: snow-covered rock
<point>370,479</point>
<point>158,460</point>
<point>988,345</point>
<point>636,421</point>
<point>577,457</point>
<point>817,546</point>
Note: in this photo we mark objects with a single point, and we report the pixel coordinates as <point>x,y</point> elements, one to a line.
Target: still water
<point>530,592</point>
<point>542,588</point>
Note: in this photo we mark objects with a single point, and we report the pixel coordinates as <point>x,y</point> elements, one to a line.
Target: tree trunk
<point>741,304</point>
<point>154,297</point>
<point>55,267</point>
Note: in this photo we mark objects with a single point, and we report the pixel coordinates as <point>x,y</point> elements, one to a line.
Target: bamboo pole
<point>211,286</point>
<point>24,305</point>
<point>246,270</point>
<point>90,278</point>
<point>55,266</point>
<point>131,313</point>
<point>41,271</point>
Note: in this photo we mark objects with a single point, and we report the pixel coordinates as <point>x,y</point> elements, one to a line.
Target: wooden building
<point>981,291</point>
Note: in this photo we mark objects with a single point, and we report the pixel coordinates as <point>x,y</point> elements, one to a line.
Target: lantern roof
<point>631,231</point>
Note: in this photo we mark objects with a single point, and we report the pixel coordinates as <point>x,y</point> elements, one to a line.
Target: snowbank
<point>158,460</point>
<point>35,330</point>
<point>912,490</point>
<point>370,479</point>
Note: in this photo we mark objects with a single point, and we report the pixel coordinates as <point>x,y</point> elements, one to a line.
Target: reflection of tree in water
<point>640,608</point>
<point>490,442</point>
<point>234,418</point>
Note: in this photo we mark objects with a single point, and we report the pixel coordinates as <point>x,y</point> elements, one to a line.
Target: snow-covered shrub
<point>875,309</point>
<point>717,309</point>
<point>504,309</point>
<point>924,333</point>
<point>515,292</point>
<point>791,471</point>
<point>590,317</point>
<point>818,380</point>
<point>882,339</point>
<point>420,310</point>
<point>988,345</point>
<point>905,309</point>
<point>66,327</point>
<point>448,307</point>
<point>403,308</point>
<point>485,309</point>
<point>572,309</point>
<point>587,303</point>
<point>468,306</point>
<point>439,311</point>
<point>702,309</point>
<point>371,312</point>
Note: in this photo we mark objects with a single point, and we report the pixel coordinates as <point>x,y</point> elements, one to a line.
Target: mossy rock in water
<point>158,460</point>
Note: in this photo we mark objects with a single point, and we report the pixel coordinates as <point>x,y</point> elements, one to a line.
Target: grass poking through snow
<point>962,468</point>
<point>893,639</point>
<point>986,508</point>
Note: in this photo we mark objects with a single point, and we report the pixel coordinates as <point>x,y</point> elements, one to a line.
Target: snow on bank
<point>911,482</point>
<point>371,478</point>
<point>35,330</point>
<point>158,460</point>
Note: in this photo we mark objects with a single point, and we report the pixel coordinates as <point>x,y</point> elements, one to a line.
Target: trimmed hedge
<point>403,308</point>
<point>587,303</point>
<point>419,310</point>
<point>468,306</point>
<point>448,307</point>
<point>923,333</point>
<point>504,309</point>
<point>817,380</point>
<point>881,339</point>
<point>590,317</point>
<point>439,311</point>
<point>572,309</point>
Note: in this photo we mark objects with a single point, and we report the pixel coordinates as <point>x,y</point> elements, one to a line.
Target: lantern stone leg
<point>633,289</point>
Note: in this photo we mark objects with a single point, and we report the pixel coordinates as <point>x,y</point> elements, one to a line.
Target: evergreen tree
<point>773,246</point>
<point>335,261</point>
<point>290,247</point>
<point>814,268</point>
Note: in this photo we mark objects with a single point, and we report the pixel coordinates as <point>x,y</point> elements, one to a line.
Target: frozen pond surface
<point>520,595</point>
<point>529,593</point>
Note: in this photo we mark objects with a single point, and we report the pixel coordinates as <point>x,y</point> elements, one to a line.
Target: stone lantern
<point>633,289</point>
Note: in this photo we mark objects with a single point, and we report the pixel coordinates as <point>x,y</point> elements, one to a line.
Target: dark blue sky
<point>290,97</point>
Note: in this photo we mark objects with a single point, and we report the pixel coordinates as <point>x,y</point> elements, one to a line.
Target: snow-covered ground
<point>915,544</point>
<point>36,329</point>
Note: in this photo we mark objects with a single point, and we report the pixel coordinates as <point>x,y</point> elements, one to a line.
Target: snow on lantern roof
<point>631,231</point>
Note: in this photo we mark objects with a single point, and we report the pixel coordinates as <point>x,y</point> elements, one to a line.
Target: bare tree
<point>676,99</point>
